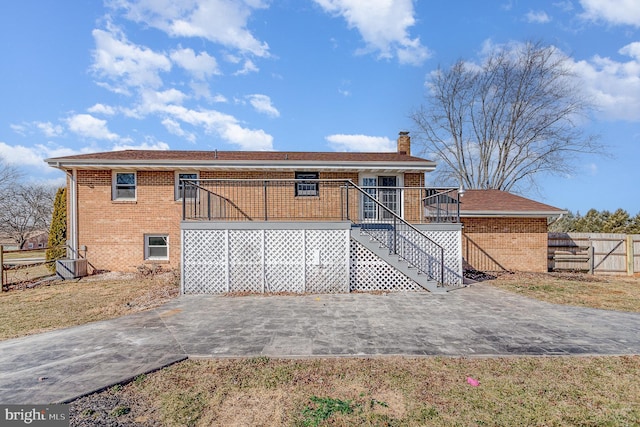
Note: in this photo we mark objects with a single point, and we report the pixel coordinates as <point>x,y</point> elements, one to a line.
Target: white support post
<point>263,262</point>
<point>72,250</point>
<point>226,253</point>
<point>304,260</point>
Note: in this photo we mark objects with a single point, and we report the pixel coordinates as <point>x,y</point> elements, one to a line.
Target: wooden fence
<point>22,266</point>
<point>598,253</point>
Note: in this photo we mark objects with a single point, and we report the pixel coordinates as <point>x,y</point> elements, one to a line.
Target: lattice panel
<point>246,273</point>
<point>284,259</point>
<point>452,244</point>
<point>370,273</point>
<point>328,247</point>
<point>204,261</point>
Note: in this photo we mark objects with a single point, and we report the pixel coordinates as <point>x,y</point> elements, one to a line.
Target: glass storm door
<point>386,196</point>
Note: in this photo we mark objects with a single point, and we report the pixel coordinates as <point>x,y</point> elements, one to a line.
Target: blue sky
<point>303,75</point>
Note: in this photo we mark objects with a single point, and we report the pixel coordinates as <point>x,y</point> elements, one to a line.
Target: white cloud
<point>34,156</point>
<point>262,104</point>
<point>617,12</point>
<point>21,155</point>
<point>537,17</point>
<point>248,67</point>
<point>219,98</point>
<point>224,125</point>
<point>361,143</point>
<point>49,129</point>
<point>155,100</point>
<point>88,126</point>
<point>614,86</point>
<point>174,128</point>
<point>383,25</point>
<point>219,21</point>
<point>125,63</point>
<point>143,146</point>
<point>102,109</point>
<point>565,5</point>
<point>19,129</point>
<point>200,65</point>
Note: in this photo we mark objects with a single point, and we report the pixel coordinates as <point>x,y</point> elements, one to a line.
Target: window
<point>156,246</point>
<point>307,188</point>
<point>192,192</point>
<point>124,186</point>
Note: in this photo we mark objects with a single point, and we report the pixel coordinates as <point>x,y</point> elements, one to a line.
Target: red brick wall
<point>113,231</point>
<point>494,244</point>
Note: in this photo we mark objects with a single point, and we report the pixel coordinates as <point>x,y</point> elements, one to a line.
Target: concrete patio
<point>478,321</point>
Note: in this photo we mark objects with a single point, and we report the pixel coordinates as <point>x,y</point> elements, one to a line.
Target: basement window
<point>307,188</point>
<point>156,247</point>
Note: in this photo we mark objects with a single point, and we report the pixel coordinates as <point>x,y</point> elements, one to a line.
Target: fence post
<point>630,255</point>
<point>1,268</point>
<point>591,258</point>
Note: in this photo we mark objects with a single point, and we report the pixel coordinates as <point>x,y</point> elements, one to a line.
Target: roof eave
<point>521,214</point>
<point>411,166</point>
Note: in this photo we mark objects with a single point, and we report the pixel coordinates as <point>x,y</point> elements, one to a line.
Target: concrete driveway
<point>475,321</point>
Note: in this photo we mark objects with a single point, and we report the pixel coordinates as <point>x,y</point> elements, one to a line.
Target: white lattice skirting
<point>294,259</point>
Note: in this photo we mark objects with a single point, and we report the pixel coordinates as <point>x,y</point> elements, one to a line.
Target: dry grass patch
<point>61,304</point>
<point>601,391</point>
<point>606,292</point>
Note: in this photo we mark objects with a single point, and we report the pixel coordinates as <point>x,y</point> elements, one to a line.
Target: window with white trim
<point>307,188</point>
<point>156,246</point>
<point>124,186</point>
<point>192,192</point>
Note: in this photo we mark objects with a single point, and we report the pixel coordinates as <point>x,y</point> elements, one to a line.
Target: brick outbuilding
<point>503,231</point>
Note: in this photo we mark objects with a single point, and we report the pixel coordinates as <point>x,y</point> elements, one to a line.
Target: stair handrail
<point>397,218</point>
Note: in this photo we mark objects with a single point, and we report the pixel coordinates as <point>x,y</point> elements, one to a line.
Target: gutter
<point>521,214</point>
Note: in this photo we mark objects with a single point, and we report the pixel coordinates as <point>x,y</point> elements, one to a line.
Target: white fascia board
<point>288,165</point>
<point>503,214</point>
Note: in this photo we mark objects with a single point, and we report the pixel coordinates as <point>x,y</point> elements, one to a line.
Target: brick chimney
<point>404,143</point>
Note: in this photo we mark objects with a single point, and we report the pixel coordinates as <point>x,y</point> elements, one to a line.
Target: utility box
<point>71,268</point>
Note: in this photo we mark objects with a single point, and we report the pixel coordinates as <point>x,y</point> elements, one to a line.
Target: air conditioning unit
<point>71,268</point>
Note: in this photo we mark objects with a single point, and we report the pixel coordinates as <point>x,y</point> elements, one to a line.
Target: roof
<point>243,160</point>
<point>494,203</point>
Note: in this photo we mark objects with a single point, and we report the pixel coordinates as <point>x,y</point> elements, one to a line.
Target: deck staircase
<point>361,235</point>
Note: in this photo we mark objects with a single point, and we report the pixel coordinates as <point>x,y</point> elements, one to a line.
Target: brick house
<point>265,221</point>
<point>503,231</point>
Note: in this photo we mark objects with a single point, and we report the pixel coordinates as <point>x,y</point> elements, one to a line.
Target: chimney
<point>404,143</point>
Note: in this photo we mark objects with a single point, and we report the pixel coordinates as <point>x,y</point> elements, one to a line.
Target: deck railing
<point>313,200</point>
<point>377,211</point>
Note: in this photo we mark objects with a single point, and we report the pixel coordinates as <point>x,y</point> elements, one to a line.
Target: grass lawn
<point>62,304</point>
<point>587,391</point>
<point>606,292</point>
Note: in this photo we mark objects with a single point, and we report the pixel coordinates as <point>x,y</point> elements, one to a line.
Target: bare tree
<point>500,124</point>
<point>26,209</point>
<point>9,177</point>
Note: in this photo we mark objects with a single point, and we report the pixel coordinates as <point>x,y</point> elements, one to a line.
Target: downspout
<point>72,242</point>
